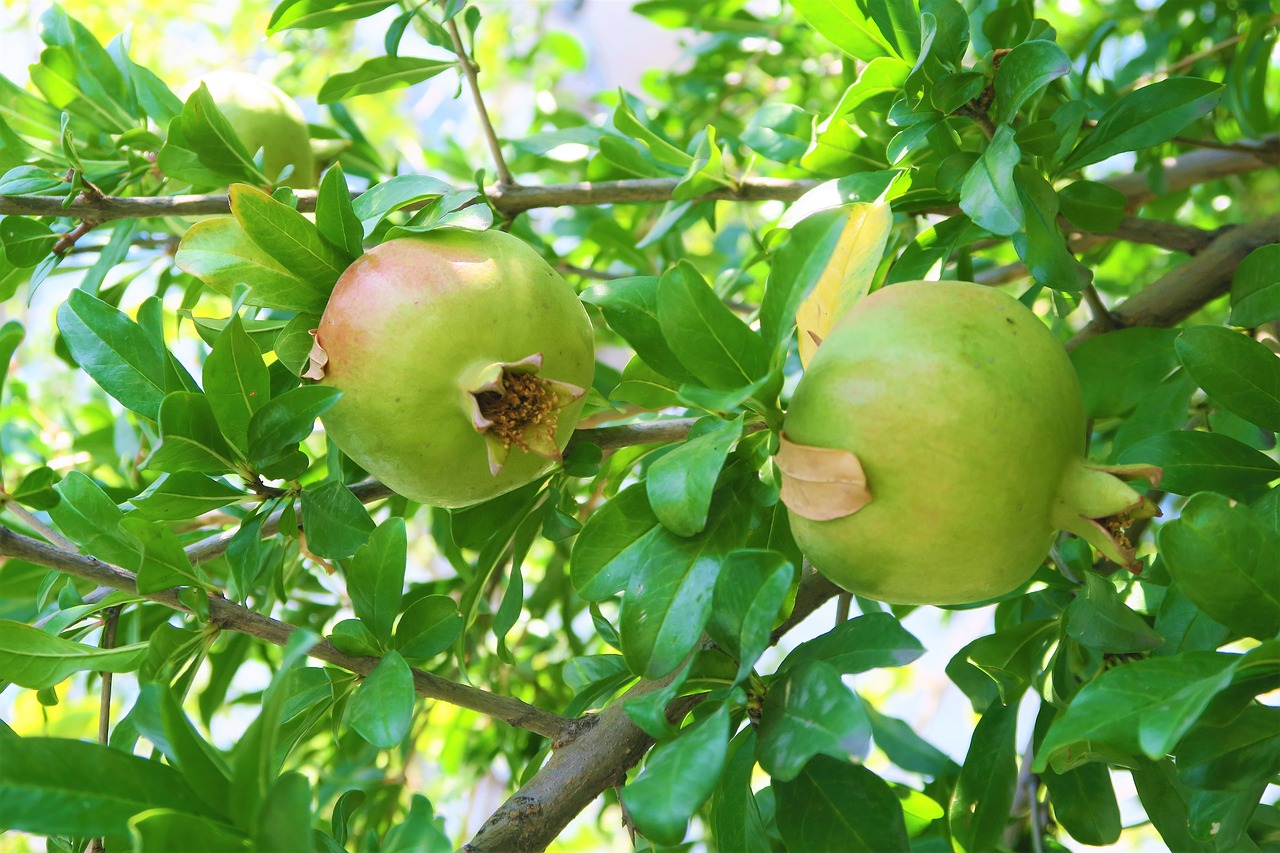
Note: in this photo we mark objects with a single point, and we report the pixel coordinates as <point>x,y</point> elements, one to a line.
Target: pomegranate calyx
<point>1096,505</point>
<point>821,483</point>
<point>512,406</point>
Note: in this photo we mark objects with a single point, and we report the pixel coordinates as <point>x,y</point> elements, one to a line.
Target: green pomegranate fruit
<point>935,445</point>
<point>463,359</point>
<point>264,117</point>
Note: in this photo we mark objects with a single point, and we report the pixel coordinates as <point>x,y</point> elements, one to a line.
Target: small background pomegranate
<point>935,445</point>
<point>463,358</point>
<point>265,117</point>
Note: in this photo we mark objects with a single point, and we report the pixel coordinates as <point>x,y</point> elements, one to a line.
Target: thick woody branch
<point>533,817</point>
<point>232,616</point>
<point>1181,292</point>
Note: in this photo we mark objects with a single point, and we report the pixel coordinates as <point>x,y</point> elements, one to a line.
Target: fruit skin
<point>265,117</point>
<point>411,326</point>
<point>967,417</point>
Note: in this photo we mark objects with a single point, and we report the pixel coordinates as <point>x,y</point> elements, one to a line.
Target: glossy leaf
<point>314,14</point>
<point>1023,72</point>
<point>222,255</point>
<point>1118,369</point>
<point>382,708</point>
<point>164,565</point>
<point>680,484</point>
<point>73,787</point>
<point>236,382</point>
<point>1199,461</point>
<point>189,437</point>
<point>380,74</point>
<point>1141,707</point>
<point>336,217</point>
<point>428,627</point>
<point>748,596</point>
<point>185,495</point>
<point>375,578</point>
<point>712,344</point>
<point>980,806</point>
<point>335,521</point>
<point>1145,117</point>
<point>845,24</point>
<point>989,194</point>
<point>678,778</point>
<point>115,351</point>
<point>1223,558</point>
<point>838,805</point>
<point>1084,803</point>
<point>36,660</point>
<point>1100,620</point>
<point>866,642</point>
<point>1255,289</point>
<point>282,423</point>
<point>735,814</point>
<point>288,237</point>
<point>1092,206</point>
<point>1040,244</point>
<point>810,711</point>
<point>1235,370</point>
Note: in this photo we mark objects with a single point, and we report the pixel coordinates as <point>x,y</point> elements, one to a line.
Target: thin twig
<point>486,124</point>
<point>1101,313</point>
<point>110,624</point>
<point>231,616</point>
<point>1192,59</point>
<point>29,519</point>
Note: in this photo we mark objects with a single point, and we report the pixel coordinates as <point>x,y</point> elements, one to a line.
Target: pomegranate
<point>264,117</point>
<point>936,444</point>
<point>463,359</point>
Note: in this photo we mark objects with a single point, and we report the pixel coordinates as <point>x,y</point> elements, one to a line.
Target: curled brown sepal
<point>317,359</point>
<point>511,405</point>
<point>821,483</point>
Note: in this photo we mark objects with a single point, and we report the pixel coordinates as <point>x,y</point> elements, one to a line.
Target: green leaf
<point>983,797</point>
<point>236,381</point>
<point>780,132</point>
<point>736,821</point>
<point>392,194</point>
<point>1166,800</point>
<point>1040,244</point>
<point>858,645</point>
<point>189,437</point>
<point>71,787</point>
<point>838,805</point>
<point>1148,116</point>
<point>1255,289</point>
<point>428,627</point>
<point>1100,620</point>
<point>164,564</point>
<point>382,708</point>
<point>712,344</point>
<point>335,521</point>
<point>26,242</point>
<point>375,578</point>
<point>614,544</point>
<point>749,594</point>
<point>630,306</point>
<point>1224,558</point>
<point>681,482</point>
<point>1203,461</point>
<point>203,148</point>
<point>626,122</point>
<point>989,194</point>
<point>1084,803</point>
<point>160,719</point>
<point>810,711</point>
<point>668,600</point>
<point>336,217</point>
<point>381,74</point>
<point>284,822</point>
<point>1012,656</point>
<point>678,778</point>
<point>92,520</point>
<point>899,741</point>
<point>1118,369</point>
<point>280,425</point>
<point>115,352</point>
<point>1023,72</point>
<point>1091,206</point>
<point>288,237</point>
<point>317,14</point>
<point>36,660</point>
<point>1235,370</point>
<point>165,829</point>
<point>845,25</point>
<point>1141,707</point>
<point>220,254</point>
<point>11,335</point>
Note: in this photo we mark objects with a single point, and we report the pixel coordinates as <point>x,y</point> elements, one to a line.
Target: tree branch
<point>533,817</point>
<point>1181,292</point>
<point>486,124</point>
<point>231,616</point>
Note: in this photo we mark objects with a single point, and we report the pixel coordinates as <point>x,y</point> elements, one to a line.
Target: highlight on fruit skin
<point>463,359</point>
<point>936,445</point>
<point>265,118</point>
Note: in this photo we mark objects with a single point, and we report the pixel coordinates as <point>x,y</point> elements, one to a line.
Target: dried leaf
<point>317,359</point>
<point>847,276</point>
<point>821,483</point>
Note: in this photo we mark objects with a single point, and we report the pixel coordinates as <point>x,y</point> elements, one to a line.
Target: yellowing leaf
<point>847,276</point>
